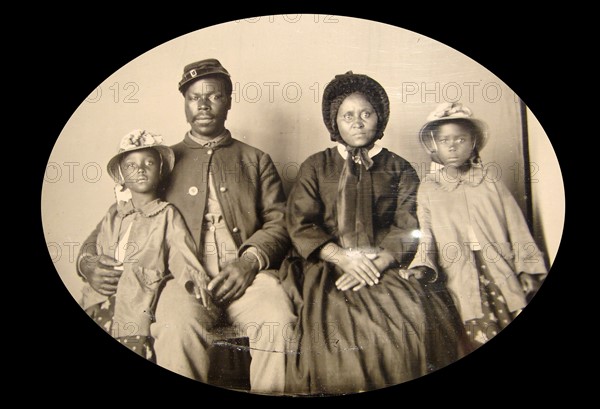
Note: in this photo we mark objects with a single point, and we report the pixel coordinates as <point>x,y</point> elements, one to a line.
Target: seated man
<point>232,201</point>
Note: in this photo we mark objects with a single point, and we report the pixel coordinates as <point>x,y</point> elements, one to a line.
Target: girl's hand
<point>408,273</point>
<point>531,283</point>
<point>102,273</point>
<point>420,273</point>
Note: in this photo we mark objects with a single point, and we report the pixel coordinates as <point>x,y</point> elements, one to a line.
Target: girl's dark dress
<point>378,336</point>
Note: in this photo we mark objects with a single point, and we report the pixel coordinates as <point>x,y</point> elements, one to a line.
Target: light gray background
<point>280,66</point>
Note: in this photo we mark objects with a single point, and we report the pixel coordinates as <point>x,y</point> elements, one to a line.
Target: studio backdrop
<point>279,67</point>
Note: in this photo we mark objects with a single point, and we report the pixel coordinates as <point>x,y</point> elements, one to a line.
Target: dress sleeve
<point>427,252</point>
<point>305,211</point>
<point>401,240</point>
<point>527,256</point>
<point>181,255</point>
<point>89,248</point>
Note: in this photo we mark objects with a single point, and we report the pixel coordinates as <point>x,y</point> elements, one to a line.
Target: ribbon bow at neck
<point>358,156</point>
<point>355,194</point>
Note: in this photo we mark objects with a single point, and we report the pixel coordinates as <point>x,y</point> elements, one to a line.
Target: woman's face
<point>141,170</point>
<point>357,121</point>
<point>454,144</point>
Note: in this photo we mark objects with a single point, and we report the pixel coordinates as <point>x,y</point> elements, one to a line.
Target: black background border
<point>70,56</point>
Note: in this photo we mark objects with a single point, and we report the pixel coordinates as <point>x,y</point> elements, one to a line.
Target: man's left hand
<point>232,281</point>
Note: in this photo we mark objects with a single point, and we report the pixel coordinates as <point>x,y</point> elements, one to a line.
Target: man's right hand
<point>101,274</point>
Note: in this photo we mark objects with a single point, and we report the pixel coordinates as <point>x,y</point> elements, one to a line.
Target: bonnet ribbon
<point>354,200</point>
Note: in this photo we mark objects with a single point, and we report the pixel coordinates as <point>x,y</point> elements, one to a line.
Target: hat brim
<point>166,153</point>
<point>425,136</point>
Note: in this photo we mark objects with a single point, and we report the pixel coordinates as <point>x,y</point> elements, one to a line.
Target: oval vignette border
<point>173,138</point>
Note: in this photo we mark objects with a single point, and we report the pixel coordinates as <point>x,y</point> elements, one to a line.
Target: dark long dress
<point>378,336</point>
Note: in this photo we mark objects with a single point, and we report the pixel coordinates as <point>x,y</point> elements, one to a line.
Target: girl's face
<point>454,144</point>
<point>357,121</point>
<point>141,170</point>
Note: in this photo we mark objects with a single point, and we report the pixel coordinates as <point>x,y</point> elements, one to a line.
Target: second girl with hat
<point>473,234</point>
<point>351,218</point>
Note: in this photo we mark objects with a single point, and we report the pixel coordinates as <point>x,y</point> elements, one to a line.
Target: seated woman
<point>351,217</point>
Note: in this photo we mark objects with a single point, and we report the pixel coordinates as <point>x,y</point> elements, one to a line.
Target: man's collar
<point>194,142</point>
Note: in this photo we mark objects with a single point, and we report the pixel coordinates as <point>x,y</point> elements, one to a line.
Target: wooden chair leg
<point>230,359</point>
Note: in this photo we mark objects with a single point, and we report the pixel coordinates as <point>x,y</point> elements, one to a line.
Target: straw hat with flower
<point>449,112</point>
<point>136,140</point>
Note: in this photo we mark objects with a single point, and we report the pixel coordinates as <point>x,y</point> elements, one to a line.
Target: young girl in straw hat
<point>473,234</point>
<point>149,241</point>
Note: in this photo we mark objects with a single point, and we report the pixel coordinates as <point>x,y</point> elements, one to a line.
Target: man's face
<point>206,106</point>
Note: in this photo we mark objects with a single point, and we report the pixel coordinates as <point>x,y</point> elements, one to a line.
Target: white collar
<point>372,152</point>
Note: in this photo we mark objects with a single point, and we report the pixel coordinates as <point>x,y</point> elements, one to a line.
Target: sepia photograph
<point>302,205</point>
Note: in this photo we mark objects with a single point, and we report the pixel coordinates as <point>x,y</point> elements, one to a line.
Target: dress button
<point>223,189</point>
<point>212,228</point>
<point>235,229</point>
<point>209,152</point>
<point>193,190</point>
